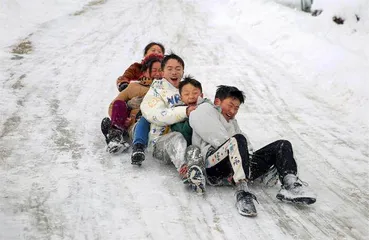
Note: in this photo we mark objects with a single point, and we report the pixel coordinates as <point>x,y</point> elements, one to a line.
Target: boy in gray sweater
<point>228,154</point>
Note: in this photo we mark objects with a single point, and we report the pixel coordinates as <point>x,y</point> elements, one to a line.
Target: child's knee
<point>241,139</point>
<point>285,144</point>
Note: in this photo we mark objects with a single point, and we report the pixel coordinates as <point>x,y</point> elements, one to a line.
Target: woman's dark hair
<point>172,56</point>
<point>148,61</point>
<point>148,46</point>
<point>224,92</point>
<point>152,63</point>
<point>189,80</point>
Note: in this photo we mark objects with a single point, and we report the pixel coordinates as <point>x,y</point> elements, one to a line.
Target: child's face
<point>173,72</point>
<point>156,71</point>
<point>154,49</point>
<point>190,94</point>
<point>229,107</point>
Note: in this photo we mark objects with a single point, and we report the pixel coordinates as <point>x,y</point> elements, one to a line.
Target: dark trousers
<point>278,154</point>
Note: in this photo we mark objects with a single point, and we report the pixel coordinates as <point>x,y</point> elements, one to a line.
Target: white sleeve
<point>155,109</point>
<point>205,121</point>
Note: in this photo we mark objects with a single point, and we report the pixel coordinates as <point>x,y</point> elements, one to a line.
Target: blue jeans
<point>141,132</point>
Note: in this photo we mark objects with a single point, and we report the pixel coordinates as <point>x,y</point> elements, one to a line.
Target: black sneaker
<point>105,126</point>
<point>245,204</point>
<point>138,154</point>
<point>115,141</point>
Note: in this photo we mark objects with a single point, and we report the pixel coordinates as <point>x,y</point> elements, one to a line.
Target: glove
<point>122,86</point>
<point>135,102</point>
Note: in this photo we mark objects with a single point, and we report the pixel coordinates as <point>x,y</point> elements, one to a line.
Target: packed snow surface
<point>305,78</point>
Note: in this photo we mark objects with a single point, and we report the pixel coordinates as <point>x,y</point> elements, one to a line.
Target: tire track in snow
<point>11,123</point>
<point>43,219</point>
<point>63,137</point>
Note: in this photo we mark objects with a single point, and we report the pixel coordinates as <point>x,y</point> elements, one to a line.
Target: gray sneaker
<point>296,191</point>
<point>245,203</point>
<point>196,179</point>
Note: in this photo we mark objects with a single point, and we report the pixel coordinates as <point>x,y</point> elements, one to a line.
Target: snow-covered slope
<point>306,80</point>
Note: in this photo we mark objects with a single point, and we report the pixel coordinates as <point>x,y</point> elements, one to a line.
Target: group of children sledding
<point>160,110</point>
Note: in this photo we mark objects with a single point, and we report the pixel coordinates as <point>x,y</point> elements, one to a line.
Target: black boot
<point>105,126</point>
<point>115,141</point>
<point>138,154</point>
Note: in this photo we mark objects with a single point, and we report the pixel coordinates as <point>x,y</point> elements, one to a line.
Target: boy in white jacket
<point>228,154</point>
<point>159,103</point>
<point>163,107</point>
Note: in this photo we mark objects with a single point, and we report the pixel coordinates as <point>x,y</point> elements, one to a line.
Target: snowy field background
<point>306,80</point>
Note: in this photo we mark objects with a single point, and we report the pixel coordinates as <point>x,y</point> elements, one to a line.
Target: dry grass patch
<point>24,47</point>
<point>96,2</point>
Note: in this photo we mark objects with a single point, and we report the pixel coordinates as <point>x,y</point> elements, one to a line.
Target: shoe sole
<point>114,149</point>
<point>137,158</point>
<point>248,214</point>
<point>117,148</point>
<point>199,190</point>
<point>197,185</point>
<point>105,125</point>
<point>301,200</point>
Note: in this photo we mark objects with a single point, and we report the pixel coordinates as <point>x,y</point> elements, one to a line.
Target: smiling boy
<point>190,90</point>
<point>228,154</point>
<point>158,105</point>
<point>161,107</point>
